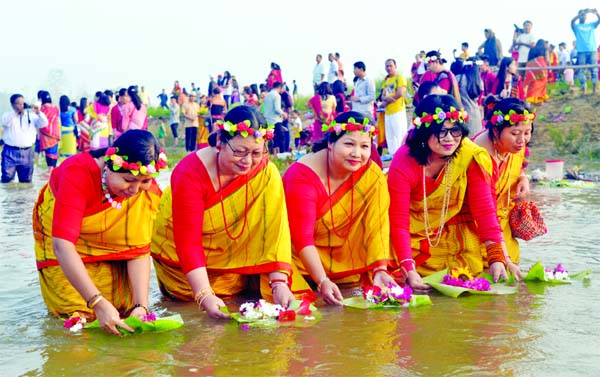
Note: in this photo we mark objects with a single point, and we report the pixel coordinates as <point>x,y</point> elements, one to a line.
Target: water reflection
<point>542,330</point>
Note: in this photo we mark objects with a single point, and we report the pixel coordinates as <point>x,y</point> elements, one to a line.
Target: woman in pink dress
<point>134,112</point>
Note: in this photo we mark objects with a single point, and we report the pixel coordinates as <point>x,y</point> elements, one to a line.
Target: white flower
<point>76,327</point>
<point>562,275</point>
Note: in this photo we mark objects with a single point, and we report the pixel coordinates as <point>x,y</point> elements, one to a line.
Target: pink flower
<point>150,317</point>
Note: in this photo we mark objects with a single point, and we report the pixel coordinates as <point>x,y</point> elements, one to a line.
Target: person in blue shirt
<point>163,99</point>
<point>586,45</point>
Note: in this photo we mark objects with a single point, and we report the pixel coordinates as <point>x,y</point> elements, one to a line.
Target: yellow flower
<point>461,273</point>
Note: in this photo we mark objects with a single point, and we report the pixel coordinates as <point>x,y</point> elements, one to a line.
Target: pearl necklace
<point>445,203</point>
<point>106,194</point>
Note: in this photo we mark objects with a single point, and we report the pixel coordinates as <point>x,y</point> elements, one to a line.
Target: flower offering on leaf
<point>391,294</point>
<point>287,316</point>
<point>75,323</point>
<point>260,310</point>
<point>461,277</point>
<point>559,273</point>
<point>150,317</point>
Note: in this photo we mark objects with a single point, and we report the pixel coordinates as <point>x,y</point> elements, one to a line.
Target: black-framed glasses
<point>242,154</point>
<point>454,131</point>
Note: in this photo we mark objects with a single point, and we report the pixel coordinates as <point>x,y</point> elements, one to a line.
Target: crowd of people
<point>229,223</point>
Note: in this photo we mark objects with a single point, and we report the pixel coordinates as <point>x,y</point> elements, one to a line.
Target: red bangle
<point>271,282</point>
<point>375,272</point>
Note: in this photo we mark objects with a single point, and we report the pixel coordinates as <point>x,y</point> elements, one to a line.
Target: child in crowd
<point>569,75</point>
<point>295,127</point>
<point>162,132</point>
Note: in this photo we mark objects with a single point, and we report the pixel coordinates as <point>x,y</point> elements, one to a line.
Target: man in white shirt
<point>524,41</point>
<point>364,92</point>
<point>318,72</point>
<point>332,74</point>
<point>20,129</point>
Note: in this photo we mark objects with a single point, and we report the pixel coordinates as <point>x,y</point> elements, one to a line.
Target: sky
<point>78,47</point>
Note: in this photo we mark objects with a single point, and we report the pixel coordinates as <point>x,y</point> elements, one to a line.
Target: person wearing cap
<point>190,121</point>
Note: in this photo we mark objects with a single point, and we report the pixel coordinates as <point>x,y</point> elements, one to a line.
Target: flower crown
<point>512,117</point>
<point>135,168</point>
<point>440,116</point>
<point>244,130</point>
<point>350,126</point>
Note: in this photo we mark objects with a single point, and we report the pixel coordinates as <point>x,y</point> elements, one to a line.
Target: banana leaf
<point>536,274</point>
<point>159,325</point>
<point>358,302</point>
<point>435,281</point>
<point>270,323</point>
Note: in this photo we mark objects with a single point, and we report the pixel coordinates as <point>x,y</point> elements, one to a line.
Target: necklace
<point>500,158</point>
<point>223,206</point>
<point>106,194</point>
<point>445,203</point>
<point>331,205</point>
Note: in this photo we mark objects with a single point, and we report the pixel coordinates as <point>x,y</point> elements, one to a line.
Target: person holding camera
<point>20,129</point>
<point>523,40</point>
<point>586,45</point>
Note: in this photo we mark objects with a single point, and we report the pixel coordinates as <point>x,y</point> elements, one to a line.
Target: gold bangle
<point>212,293</point>
<point>94,297</point>
<point>202,293</point>
<point>95,302</point>
<point>323,280</point>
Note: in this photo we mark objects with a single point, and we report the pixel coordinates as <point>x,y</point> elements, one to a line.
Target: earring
<point>422,145</point>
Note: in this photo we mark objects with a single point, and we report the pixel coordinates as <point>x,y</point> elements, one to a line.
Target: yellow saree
<point>263,246</point>
<point>108,239</point>
<point>352,236</point>
<point>459,245</point>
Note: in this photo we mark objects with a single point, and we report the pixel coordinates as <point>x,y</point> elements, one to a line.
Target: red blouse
<point>77,186</point>
<point>405,181</point>
<point>191,187</point>
<point>304,193</point>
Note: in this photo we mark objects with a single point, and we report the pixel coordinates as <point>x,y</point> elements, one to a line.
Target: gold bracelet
<point>94,297</point>
<point>95,302</point>
<point>203,292</point>
<point>211,293</point>
<point>323,280</point>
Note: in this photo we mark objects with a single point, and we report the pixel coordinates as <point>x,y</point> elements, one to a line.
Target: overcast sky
<point>110,44</point>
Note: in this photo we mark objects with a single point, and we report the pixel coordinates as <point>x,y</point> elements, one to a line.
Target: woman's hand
<point>498,271</point>
<point>212,304</point>
<point>522,189</point>
<point>282,294</point>
<point>414,280</point>
<point>109,318</point>
<point>514,269</point>
<point>331,293</point>
<point>139,312</point>
<point>383,279</point>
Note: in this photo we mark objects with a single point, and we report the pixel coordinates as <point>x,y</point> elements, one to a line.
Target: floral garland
<point>440,116</point>
<point>461,277</point>
<point>512,117</point>
<point>391,294</point>
<point>244,129</point>
<point>135,168</point>
<point>350,126</point>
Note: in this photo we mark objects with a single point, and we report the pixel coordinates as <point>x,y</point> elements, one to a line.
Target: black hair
<point>425,89</point>
<point>277,84</point>
<point>83,102</point>
<point>418,138</point>
<point>132,91</point>
<point>122,92</point>
<point>501,77</point>
<point>64,102</point>
<point>471,72</point>
<point>360,65</point>
<point>538,50</point>
<point>40,94</point>
<point>109,92</point>
<point>332,137</point>
<point>236,115</point>
<point>15,97</point>
<point>323,90</point>
<point>505,106</point>
<point>138,145</point>
<point>103,99</point>
<point>457,66</point>
<point>98,94</point>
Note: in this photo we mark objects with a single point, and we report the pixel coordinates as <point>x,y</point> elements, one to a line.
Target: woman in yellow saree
<point>338,201</point>
<point>92,225</point>
<point>224,219</point>
<point>509,129</point>
<point>441,203</point>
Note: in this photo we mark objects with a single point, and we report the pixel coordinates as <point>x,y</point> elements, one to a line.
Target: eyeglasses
<point>454,131</point>
<point>242,154</point>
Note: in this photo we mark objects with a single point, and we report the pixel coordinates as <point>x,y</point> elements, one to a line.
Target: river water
<point>541,331</point>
